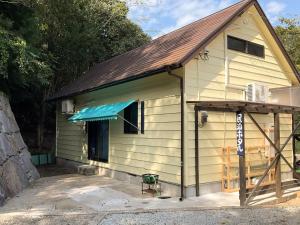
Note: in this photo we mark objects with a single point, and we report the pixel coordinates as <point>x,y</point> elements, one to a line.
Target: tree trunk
<point>41,126</point>
<point>41,121</point>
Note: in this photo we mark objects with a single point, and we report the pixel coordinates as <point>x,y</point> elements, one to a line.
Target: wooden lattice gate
<point>241,109</point>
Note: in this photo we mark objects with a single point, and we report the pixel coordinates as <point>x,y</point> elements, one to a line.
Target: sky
<point>158,17</point>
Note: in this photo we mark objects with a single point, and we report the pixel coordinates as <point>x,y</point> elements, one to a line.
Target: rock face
<point>16,169</point>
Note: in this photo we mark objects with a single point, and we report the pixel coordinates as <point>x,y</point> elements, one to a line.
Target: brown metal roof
<point>171,50</point>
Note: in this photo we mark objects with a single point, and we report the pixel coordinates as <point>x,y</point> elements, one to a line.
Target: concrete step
<point>86,170</point>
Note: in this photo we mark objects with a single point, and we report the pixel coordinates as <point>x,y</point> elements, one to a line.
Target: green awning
<point>101,112</point>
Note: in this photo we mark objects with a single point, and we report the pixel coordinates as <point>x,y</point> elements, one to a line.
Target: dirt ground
<point>292,202</point>
<point>54,170</point>
<point>64,197</point>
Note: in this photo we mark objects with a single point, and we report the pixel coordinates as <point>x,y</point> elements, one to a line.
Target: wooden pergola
<point>241,108</point>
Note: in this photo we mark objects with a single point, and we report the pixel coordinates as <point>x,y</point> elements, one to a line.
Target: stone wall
<point>16,169</point>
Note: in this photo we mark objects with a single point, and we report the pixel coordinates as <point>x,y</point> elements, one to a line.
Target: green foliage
<point>289,33</point>
<point>45,44</point>
<point>54,41</point>
<point>81,32</point>
<point>21,64</point>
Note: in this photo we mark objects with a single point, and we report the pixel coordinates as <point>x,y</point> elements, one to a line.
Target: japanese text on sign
<point>240,133</point>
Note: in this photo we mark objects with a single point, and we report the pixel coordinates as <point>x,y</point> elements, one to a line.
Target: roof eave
<point>162,69</point>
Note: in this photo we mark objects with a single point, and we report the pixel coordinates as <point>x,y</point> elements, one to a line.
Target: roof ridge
<point>156,39</point>
<point>200,19</point>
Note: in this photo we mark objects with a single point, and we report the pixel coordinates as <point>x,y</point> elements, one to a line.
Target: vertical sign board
<point>240,133</point>
<point>240,137</point>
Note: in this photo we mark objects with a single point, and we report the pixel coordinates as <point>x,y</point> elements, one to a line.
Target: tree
<point>21,63</point>
<point>45,44</point>
<point>81,32</point>
<point>289,33</point>
<point>25,67</point>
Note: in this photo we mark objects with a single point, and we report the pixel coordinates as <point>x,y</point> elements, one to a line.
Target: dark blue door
<point>103,142</point>
<point>92,140</point>
<point>98,133</point>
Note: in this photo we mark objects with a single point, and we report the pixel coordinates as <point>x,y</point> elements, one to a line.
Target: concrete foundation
<point>168,189</point>
<point>204,189</point>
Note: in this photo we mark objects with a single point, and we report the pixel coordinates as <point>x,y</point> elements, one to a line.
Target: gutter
<point>181,131</point>
<point>114,83</point>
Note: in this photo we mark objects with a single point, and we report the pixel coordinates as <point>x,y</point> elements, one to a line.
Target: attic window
<point>256,49</point>
<point>244,46</point>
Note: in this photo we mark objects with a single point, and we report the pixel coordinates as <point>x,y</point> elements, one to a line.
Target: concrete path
<point>90,194</point>
<point>77,199</point>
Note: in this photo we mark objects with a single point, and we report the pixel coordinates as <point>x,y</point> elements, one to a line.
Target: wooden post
<point>196,151</point>
<point>242,180</point>
<point>278,163</point>
<point>228,167</point>
<point>240,132</point>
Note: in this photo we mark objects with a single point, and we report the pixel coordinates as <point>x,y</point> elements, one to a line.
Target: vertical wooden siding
<point>205,80</point>
<point>155,151</point>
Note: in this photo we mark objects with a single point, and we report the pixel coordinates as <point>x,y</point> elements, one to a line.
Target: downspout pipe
<point>197,150</point>
<point>181,130</point>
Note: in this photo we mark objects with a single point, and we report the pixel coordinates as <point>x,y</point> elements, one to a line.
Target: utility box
<point>285,96</point>
<point>67,106</point>
<point>257,93</point>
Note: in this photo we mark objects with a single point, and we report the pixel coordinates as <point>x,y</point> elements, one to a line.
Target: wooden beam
<point>240,132</point>
<point>278,161</point>
<point>253,107</point>
<point>219,109</point>
<point>197,151</point>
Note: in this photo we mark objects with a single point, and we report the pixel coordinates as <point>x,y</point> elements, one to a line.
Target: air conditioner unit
<point>257,93</point>
<point>67,106</point>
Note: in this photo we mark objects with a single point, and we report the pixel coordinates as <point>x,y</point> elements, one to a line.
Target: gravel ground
<point>73,219</point>
<point>246,216</point>
<point>228,216</point>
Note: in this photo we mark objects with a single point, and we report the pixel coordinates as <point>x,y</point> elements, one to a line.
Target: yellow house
<point>152,129</point>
